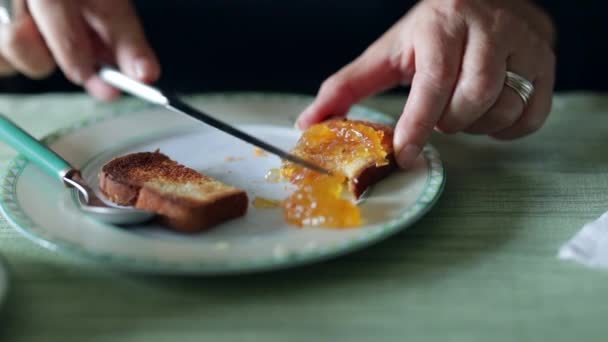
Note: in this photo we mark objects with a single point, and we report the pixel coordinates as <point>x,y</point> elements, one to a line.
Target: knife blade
<point>172,102</point>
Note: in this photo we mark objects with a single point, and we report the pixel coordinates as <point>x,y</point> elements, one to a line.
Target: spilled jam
<point>265,203</point>
<point>258,152</point>
<point>319,199</point>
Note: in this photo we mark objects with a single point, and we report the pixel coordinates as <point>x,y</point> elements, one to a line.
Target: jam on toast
<point>358,153</point>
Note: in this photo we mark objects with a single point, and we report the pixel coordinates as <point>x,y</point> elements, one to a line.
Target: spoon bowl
<point>56,166</point>
<point>111,214</point>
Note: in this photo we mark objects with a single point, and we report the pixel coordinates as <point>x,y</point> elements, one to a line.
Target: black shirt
<point>291,46</point>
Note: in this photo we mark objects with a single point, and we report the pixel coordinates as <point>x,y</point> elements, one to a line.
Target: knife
<point>172,102</point>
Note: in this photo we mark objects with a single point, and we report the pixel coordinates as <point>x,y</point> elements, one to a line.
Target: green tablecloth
<point>481,266</point>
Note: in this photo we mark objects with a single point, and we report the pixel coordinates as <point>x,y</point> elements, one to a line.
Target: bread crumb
<point>258,152</point>
<point>233,159</point>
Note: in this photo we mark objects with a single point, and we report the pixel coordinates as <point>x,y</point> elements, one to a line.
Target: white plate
<point>40,207</point>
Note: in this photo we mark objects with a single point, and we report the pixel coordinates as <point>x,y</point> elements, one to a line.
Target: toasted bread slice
<point>185,199</point>
<point>357,153</point>
<point>338,147</point>
<point>365,172</point>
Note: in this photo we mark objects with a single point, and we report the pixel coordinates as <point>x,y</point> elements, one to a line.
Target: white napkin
<point>590,245</point>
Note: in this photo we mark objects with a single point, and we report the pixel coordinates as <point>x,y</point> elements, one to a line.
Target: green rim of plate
<point>17,218</point>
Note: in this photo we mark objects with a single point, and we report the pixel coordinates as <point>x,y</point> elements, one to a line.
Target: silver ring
<point>523,87</point>
<point>6,11</point>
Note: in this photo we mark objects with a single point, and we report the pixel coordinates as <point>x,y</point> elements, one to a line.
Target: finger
<point>507,109</point>
<point>479,84</point>
<point>96,87</point>
<point>372,72</point>
<point>123,35</point>
<point>538,109</point>
<point>438,56</point>
<point>101,90</point>
<point>23,47</point>
<point>63,28</point>
<point>20,8</point>
<point>6,69</point>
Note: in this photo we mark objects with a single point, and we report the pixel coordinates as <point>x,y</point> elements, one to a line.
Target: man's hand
<point>76,35</point>
<point>455,54</point>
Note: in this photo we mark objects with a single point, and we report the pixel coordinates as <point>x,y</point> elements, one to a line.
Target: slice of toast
<point>185,199</point>
<point>357,153</point>
<point>365,172</point>
<point>335,151</point>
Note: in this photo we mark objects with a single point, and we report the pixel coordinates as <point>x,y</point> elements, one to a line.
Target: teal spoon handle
<point>49,161</point>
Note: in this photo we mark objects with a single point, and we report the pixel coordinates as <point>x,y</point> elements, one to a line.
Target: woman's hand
<point>455,54</point>
<point>76,35</point>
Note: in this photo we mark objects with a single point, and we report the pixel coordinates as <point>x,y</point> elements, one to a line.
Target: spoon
<point>51,163</point>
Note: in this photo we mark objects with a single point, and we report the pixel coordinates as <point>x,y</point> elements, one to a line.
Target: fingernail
<point>438,130</point>
<point>77,77</point>
<point>296,125</point>
<point>140,67</point>
<point>407,156</point>
<point>80,75</point>
<point>145,69</point>
<point>307,110</point>
<point>302,118</point>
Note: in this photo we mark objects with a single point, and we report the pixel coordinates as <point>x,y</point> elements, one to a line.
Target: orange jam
<point>318,199</point>
<point>273,175</point>
<point>258,152</point>
<point>265,203</point>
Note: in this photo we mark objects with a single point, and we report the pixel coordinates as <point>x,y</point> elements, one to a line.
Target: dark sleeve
<point>260,45</point>
<point>263,44</point>
<point>581,57</point>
